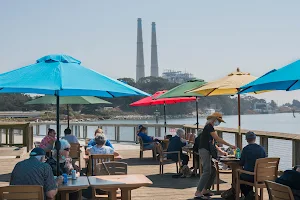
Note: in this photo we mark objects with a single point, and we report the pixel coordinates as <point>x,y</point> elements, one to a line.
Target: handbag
<point>213,150</point>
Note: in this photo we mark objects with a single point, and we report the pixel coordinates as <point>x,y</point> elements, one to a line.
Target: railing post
<point>134,134</point>
<point>37,129</point>
<point>159,131</point>
<point>1,132</point>
<point>264,143</point>
<point>118,133</point>
<point>11,132</point>
<point>220,134</point>
<point>296,152</point>
<point>47,128</point>
<point>79,131</point>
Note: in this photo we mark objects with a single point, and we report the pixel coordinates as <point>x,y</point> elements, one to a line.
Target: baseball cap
<point>250,135</point>
<point>140,126</point>
<point>37,152</point>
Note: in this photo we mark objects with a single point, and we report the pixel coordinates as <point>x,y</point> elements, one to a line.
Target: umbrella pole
<point>239,139</point>
<point>57,144</point>
<point>197,114</point>
<point>68,115</point>
<point>165,118</point>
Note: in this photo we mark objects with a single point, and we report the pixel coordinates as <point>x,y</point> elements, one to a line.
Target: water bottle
<point>74,174</point>
<point>65,178</point>
<point>238,153</point>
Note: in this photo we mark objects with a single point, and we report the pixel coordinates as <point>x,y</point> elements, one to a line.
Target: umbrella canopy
<point>68,100</point>
<point>180,91</point>
<point>149,101</point>
<point>286,78</point>
<point>62,75</point>
<point>229,85</point>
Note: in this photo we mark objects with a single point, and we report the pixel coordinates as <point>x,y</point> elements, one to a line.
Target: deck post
<point>296,152</point>
<point>238,140</point>
<point>37,129</point>
<point>264,143</point>
<point>79,131</point>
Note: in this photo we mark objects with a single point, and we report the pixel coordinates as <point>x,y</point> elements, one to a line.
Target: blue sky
<point>207,38</point>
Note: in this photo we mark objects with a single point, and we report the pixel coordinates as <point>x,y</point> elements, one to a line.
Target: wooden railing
<point>127,133</point>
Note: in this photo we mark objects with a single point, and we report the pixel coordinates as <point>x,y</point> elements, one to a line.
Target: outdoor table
<point>234,164</point>
<point>73,186</point>
<point>87,157</point>
<point>126,183</point>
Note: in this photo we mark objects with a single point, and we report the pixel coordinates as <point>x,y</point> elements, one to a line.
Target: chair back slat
<point>114,168</point>
<point>99,158</point>
<point>141,143</point>
<point>279,192</point>
<point>266,169</point>
<point>74,150</point>
<point>18,192</point>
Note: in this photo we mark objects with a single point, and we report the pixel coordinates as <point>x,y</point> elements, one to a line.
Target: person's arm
<point>221,151</point>
<point>50,184</point>
<point>107,143</point>
<point>116,153</point>
<point>220,140</point>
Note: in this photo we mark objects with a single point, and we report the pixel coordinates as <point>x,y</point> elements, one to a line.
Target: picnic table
<point>126,183</point>
<point>71,186</point>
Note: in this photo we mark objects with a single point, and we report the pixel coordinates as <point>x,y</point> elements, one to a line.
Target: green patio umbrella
<point>68,100</point>
<point>180,90</point>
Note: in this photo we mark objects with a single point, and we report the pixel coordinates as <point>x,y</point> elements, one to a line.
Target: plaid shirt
<point>33,172</point>
<point>47,142</point>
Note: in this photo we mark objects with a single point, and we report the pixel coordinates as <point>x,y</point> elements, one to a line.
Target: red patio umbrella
<point>149,101</point>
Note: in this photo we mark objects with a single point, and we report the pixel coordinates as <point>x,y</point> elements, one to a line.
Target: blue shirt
<point>250,154</point>
<point>145,137</point>
<point>93,143</point>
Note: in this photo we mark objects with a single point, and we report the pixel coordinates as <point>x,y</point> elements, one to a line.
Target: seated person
<point>33,171</point>
<point>93,143</point>
<point>100,147</point>
<point>175,144</point>
<point>65,163</point>
<point>69,137</point>
<point>291,178</point>
<point>48,141</point>
<point>149,142</point>
<point>250,154</point>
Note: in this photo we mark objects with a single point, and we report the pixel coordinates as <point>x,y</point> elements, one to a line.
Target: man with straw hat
<point>207,145</point>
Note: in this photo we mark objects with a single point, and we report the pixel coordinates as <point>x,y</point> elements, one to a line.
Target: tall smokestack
<point>140,66</point>
<point>154,62</point>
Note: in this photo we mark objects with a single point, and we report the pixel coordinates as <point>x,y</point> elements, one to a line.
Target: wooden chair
<point>266,169</point>
<point>279,192</point>
<point>142,149</point>
<point>98,158</point>
<point>163,158</point>
<point>75,153</point>
<point>109,168</point>
<point>218,172</point>
<point>16,192</point>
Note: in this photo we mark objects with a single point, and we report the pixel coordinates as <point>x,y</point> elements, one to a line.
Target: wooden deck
<point>164,187</point>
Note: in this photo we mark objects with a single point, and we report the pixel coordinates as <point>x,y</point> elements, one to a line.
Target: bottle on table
<point>237,153</point>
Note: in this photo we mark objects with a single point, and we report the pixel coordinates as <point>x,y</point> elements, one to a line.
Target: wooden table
<point>80,183</point>
<point>87,157</point>
<point>125,182</point>
<point>234,164</point>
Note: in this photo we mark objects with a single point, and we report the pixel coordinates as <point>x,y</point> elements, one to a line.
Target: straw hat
<point>217,116</point>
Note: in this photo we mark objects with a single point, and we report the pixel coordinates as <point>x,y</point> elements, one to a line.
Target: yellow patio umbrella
<point>228,85</point>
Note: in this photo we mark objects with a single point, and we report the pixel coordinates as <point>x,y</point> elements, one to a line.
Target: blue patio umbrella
<point>62,75</point>
<point>286,78</point>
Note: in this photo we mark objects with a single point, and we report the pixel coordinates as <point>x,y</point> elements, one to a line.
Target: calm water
<point>284,122</point>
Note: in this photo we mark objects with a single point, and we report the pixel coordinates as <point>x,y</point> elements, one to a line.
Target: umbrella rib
<point>211,92</point>
<point>291,85</point>
<point>110,94</point>
<point>242,90</point>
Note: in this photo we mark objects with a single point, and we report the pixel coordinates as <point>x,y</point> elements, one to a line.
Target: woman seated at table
<point>149,142</point>
<point>93,143</point>
<point>100,147</point>
<point>48,141</point>
<point>65,162</point>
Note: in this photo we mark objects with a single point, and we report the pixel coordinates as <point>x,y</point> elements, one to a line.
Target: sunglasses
<point>67,149</point>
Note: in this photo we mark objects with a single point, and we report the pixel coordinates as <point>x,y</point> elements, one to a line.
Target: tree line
<point>226,104</point>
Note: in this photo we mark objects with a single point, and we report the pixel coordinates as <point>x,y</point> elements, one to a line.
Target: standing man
<point>34,171</point>
<point>250,154</point>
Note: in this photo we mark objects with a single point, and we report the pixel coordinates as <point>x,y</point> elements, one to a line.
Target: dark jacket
<point>290,178</point>
<point>175,144</point>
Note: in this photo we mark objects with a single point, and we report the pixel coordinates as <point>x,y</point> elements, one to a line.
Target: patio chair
<point>75,153</point>
<point>142,149</point>
<point>15,192</point>
<point>279,192</point>
<point>109,168</point>
<point>163,158</point>
<point>218,172</point>
<point>266,169</point>
<point>98,158</point>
